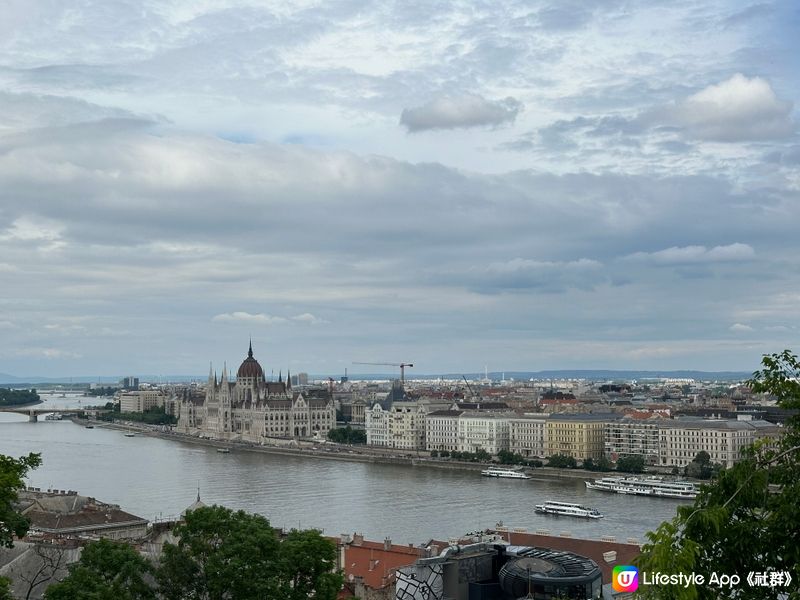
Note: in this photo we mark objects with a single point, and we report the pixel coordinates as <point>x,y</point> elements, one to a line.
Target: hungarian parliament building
<point>252,409</point>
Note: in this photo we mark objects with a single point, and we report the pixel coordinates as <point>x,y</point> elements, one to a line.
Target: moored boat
<point>645,486</point>
<point>567,509</point>
<point>223,451</point>
<point>506,473</point>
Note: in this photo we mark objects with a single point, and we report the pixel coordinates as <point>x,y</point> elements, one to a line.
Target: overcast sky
<point>524,185</point>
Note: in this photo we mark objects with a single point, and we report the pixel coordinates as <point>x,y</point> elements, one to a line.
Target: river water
<point>153,477</point>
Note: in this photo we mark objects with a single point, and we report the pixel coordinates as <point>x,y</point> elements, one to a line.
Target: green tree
<point>745,520</point>
<point>5,589</point>
<point>562,461</point>
<point>106,571</point>
<point>631,464</point>
<point>12,475</point>
<point>223,555</point>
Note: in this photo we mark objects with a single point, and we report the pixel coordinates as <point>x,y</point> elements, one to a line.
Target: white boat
<point>646,486</point>
<point>223,451</point>
<point>507,473</point>
<point>130,435</point>
<point>567,509</point>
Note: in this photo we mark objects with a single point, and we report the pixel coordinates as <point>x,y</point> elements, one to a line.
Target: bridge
<point>34,412</point>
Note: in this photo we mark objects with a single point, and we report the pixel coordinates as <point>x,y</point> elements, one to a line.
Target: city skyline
<point>531,186</point>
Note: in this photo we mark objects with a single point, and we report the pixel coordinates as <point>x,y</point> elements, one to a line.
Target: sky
<point>521,185</point>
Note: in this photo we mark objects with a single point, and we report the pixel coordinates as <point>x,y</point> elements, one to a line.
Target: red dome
<point>250,367</point>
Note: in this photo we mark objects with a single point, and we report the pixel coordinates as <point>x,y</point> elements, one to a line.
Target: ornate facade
<point>253,409</point>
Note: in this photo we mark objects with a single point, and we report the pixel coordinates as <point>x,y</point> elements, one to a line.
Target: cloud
<point>740,328</point>
<point>453,112</point>
<point>308,318</point>
<point>245,317</point>
<point>735,110</point>
<point>675,255</point>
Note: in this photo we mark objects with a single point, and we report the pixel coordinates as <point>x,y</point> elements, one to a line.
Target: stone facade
<point>253,409</point>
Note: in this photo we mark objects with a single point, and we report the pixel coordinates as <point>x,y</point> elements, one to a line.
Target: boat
<point>646,486</point>
<point>89,426</point>
<point>130,435</point>
<point>54,417</point>
<point>507,473</point>
<point>567,509</point>
<point>223,451</point>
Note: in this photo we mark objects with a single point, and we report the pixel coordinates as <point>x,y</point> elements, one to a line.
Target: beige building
<point>681,439</point>
<point>528,435</point>
<point>253,409</point>
<point>141,401</point>
<point>581,436</point>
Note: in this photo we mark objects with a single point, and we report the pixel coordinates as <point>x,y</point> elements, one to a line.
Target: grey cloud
<point>736,252</point>
<point>452,112</point>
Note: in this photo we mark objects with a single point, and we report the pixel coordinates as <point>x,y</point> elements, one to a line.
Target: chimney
<point>358,539</point>
<point>387,543</point>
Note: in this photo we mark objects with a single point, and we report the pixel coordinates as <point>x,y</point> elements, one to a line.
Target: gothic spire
<point>250,351</point>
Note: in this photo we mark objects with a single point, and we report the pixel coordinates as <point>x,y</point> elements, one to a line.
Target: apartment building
<point>527,434</point>
<point>681,439</point>
<point>579,435</point>
<point>631,436</point>
<point>140,401</point>
<point>441,430</point>
<point>402,425</point>
<point>487,431</point>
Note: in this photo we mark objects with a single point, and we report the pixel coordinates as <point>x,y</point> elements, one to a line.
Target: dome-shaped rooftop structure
<point>250,367</point>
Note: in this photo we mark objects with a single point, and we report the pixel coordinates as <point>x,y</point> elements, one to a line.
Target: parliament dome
<point>250,367</point>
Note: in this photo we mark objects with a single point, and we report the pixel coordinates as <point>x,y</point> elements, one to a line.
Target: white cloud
<point>245,317</point>
<point>308,318</point>
<point>740,328</point>
<point>453,112</point>
<point>737,109</point>
<point>678,255</point>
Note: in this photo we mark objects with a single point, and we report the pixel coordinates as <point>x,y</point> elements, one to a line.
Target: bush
<point>562,461</point>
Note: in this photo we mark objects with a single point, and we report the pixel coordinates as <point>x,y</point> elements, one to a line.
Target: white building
<point>400,426</point>
<point>140,401</point>
<point>528,435</point>
<point>483,431</point>
<point>441,430</point>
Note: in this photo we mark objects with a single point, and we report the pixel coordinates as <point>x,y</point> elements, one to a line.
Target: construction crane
<point>402,366</point>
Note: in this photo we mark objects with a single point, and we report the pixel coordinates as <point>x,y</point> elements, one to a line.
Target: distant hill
<point>590,374</point>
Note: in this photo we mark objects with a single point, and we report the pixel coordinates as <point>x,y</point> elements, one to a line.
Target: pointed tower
<point>288,379</point>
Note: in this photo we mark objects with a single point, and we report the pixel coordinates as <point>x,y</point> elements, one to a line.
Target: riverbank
<point>362,454</point>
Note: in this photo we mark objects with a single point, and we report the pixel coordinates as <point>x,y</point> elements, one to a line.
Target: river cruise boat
<point>223,451</point>
<point>567,509</point>
<point>645,486</point>
<point>507,473</point>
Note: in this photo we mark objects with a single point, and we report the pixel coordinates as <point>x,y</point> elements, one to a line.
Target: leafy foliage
<point>10,397</point>
<point>701,467</point>
<point>347,435</point>
<point>224,554</point>
<point>5,589</point>
<point>562,461</point>
<point>602,464</point>
<point>631,464</point>
<point>106,571</point>
<point>12,474</point>
<point>745,520</point>
<point>156,415</point>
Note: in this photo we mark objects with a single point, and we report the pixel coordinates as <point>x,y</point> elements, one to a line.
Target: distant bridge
<point>33,412</point>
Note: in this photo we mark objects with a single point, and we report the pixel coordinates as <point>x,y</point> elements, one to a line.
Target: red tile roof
<point>376,565</point>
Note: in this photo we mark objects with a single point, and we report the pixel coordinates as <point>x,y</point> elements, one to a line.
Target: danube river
<point>154,477</point>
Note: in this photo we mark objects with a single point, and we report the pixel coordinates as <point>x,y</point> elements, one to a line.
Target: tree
<point>562,461</point>
<point>12,474</point>
<point>106,571</point>
<point>5,589</point>
<point>631,464</point>
<point>223,555</point>
<point>49,560</point>
<point>739,523</point>
<point>701,467</point>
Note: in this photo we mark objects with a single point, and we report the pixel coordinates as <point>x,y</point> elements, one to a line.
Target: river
<point>154,477</point>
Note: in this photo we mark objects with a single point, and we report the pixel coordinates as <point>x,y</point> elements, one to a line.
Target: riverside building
<point>252,409</point>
